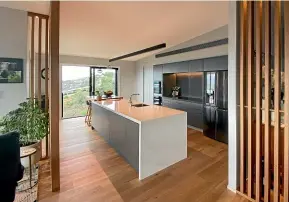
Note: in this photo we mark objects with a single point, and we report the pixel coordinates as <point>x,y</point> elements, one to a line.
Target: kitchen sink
<point>139,105</point>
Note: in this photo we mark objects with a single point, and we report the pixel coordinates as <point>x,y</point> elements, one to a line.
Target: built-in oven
<point>158,100</point>
<point>157,87</point>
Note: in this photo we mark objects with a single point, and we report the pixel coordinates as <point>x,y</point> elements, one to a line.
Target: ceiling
<point>111,29</point>
<point>42,6</point>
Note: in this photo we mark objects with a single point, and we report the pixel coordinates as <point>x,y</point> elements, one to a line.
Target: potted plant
<point>32,124</point>
<point>98,96</point>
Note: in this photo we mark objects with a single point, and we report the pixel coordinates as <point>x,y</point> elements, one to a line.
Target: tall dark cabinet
<point>216,98</point>
<point>203,95</point>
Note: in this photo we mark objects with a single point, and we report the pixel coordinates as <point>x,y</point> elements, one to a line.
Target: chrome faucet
<point>130,98</point>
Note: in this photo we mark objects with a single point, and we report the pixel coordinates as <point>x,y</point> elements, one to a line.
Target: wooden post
<point>250,42</point>
<point>46,84</point>
<point>267,177</point>
<point>286,105</point>
<point>54,94</point>
<point>32,59</point>
<point>277,73</point>
<point>39,61</point>
<point>258,38</point>
<point>243,21</point>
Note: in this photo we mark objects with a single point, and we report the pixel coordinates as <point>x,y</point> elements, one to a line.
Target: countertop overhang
<point>137,114</point>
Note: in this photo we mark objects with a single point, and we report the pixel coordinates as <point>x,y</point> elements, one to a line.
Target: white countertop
<point>137,114</point>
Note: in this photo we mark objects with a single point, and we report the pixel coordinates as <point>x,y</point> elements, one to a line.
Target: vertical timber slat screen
<point>258,39</point>
<point>250,42</point>
<point>286,104</point>
<point>264,100</point>
<point>277,94</point>
<point>267,180</point>
<point>243,21</point>
<point>38,49</point>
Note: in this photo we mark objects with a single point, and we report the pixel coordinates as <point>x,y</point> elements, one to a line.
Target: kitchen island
<point>150,138</point>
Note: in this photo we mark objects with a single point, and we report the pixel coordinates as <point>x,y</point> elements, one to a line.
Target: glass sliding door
<point>103,80</point>
<point>79,82</point>
<point>75,89</point>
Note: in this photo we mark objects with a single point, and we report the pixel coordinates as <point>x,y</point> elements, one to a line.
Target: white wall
<point>233,75</point>
<point>13,44</point>
<point>146,64</point>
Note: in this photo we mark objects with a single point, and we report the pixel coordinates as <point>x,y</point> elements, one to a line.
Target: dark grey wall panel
<point>183,82</point>
<point>196,85</point>
<point>216,63</point>
<point>169,81</point>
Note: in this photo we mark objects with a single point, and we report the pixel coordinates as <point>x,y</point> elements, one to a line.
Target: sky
<point>74,72</point>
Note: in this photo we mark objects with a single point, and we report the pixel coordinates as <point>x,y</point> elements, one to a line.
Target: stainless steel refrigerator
<point>216,105</point>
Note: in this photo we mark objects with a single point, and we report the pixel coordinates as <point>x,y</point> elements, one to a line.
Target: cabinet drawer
<point>166,103</point>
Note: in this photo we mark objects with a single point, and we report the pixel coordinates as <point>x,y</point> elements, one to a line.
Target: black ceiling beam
<point>163,45</point>
<point>194,48</point>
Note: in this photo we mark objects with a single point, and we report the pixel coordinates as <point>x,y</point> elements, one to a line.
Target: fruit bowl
<point>108,93</point>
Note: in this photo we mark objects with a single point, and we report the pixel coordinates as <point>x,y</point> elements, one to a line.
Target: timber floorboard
<point>91,171</point>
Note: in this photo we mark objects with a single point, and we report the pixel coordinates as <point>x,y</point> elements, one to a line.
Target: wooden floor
<point>92,171</point>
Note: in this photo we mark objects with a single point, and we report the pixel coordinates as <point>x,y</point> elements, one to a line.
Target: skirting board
<point>198,129</point>
<point>232,190</point>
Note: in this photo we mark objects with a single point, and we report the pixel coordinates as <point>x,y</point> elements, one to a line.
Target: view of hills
<point>70,85</point>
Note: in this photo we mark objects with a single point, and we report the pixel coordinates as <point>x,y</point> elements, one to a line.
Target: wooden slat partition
<point>264,169</point>
<point>286,104</point>
<point>46,83</point>
<point>258,39</point>
<point>243,21</point>
<point>36,44</point>
<point>39,61</point>
<point>54,95</point>
<point>32,58</point>
<point>267,181</point>
<point>250,48</point>
<point>46,65</point>
<point>277,94</point>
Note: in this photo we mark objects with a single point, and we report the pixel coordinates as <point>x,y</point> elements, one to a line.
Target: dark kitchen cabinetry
<point>176,67</point>
<point>167,102</point>
<point>196,84</point>
<point>183,80</point>
<point>216,63</point>
<point>158,72</point>
<point>196,66</point>
<point>194,110</point>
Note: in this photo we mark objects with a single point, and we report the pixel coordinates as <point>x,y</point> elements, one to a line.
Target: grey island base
<point>149,138</point>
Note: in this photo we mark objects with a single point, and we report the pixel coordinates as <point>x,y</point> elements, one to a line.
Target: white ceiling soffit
<point>42,7</point>
<point>111,29</point>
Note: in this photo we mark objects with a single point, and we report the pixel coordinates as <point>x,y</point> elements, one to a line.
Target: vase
<point>98,98</point>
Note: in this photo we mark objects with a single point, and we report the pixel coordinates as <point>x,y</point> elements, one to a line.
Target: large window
<point>103,80</point>
<point>78,82</point>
